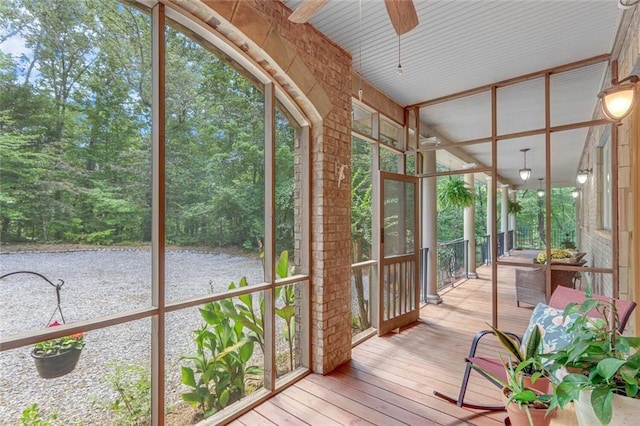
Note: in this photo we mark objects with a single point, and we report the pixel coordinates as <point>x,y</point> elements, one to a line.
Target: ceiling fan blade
<point>306,11</point>
<point>403,15</point>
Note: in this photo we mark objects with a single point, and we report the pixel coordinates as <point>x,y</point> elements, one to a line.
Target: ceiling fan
<point>401,12</point>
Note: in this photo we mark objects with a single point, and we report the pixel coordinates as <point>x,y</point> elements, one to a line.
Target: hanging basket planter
<point>59,356</point>
<point>56,365</point>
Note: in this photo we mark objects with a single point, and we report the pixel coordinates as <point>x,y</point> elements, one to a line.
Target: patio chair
<point>560,298</point>
<point>531,285</point>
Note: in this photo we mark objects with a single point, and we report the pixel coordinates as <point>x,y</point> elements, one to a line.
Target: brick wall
<point>316,73</point>
<point>595,241</point>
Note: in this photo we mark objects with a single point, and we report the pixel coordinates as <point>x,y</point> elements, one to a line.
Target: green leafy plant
<point>599,358</point>
<point>516,391</point>
<point>220,363</point>
<point>132,383</point>
<point>62,344</point>
<point>31,417</point>
<point>252,317</point>
<point>514,207</point>
<point>529,357</point>
<point>454,193</point>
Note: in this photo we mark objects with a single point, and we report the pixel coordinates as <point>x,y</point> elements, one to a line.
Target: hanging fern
<point>454,193</point>
<point>514,207</point>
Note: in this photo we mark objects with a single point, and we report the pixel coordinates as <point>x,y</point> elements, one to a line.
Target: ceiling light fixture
<point>575,193</point>
<point>582,176</point>
<point>399,68</point>
<point>619,99</point>
<point>525,172</point>
<point>540,190</point>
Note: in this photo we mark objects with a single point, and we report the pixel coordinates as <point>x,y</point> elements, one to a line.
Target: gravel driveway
<point>98,283</point>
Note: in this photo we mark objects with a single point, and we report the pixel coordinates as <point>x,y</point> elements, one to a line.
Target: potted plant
<point>528,358</point>
<point>602,367</point>
<point>525,406</point>
<point>57,357</point>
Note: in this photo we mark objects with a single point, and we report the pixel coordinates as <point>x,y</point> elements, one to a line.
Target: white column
<point>512,219</point>
<point>429,226</point>
<point>470,227</point>
<point>504,218</point>
<point>489,217</point>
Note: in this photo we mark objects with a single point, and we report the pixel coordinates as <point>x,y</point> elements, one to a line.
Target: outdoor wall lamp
<point>575,193</point>
<point>619,99</point>
<point>583,175</point>
<point>540,190</point>
<point>525,172</point>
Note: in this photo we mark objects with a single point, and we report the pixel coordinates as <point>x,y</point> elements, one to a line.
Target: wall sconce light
<point>525,172</point>
<point>540,190</point>
<point>618,100</point>
<point>583,175</point>
<point>575,193</point>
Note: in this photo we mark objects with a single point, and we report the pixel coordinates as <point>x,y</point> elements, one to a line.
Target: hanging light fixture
<point>399,67</point>
<point>618,100</point>
<point>575,193</point>
<point>582,176</point>
<point>525,172</point>
<point>540,189</point>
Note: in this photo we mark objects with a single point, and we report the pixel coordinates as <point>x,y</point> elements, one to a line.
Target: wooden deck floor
<point>390,379</point>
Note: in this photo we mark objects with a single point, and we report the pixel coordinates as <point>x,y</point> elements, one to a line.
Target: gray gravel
<point>98,283</point>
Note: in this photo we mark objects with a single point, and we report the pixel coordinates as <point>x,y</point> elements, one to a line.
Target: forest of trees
<point>75,133</point>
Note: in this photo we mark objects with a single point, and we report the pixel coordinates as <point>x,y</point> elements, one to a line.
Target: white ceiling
<point>465,44</point>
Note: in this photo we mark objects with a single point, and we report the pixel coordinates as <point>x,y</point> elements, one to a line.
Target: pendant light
<point>540,189</point>
<point>525,172</point>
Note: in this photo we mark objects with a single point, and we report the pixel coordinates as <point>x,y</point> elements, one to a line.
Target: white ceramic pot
<point>626,411</point>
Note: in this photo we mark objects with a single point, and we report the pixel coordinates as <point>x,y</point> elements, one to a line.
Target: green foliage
<point>31,417</point>
<point>530,356</point>
<point>132,384</point>
<point>453,193</point>
<point>531,216</point>
<point>516,391</point>
<point>605,362</point>
<point>514,207</point>
<point>74,137</point>
<point>219,371</point>
<point>361,221</point>
<point>61,344</point>
<point>252,317</point>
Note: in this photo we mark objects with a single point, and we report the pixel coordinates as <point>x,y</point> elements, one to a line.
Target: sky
<point>14,45</point>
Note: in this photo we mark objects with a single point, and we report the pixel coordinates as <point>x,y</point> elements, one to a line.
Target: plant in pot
<point>529,357</point>
<point>525,406</point>
<point>57,357</point>
<point>602,367</point>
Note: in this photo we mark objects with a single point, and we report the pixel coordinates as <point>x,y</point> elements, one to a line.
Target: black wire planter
<point>55,357</point>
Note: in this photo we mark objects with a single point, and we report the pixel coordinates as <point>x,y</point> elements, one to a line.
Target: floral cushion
<point>553,328</point>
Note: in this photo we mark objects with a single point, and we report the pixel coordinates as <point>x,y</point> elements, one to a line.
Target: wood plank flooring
<point>390,379</point>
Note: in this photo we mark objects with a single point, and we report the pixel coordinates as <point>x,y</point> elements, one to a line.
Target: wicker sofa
<point>531,287</point>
